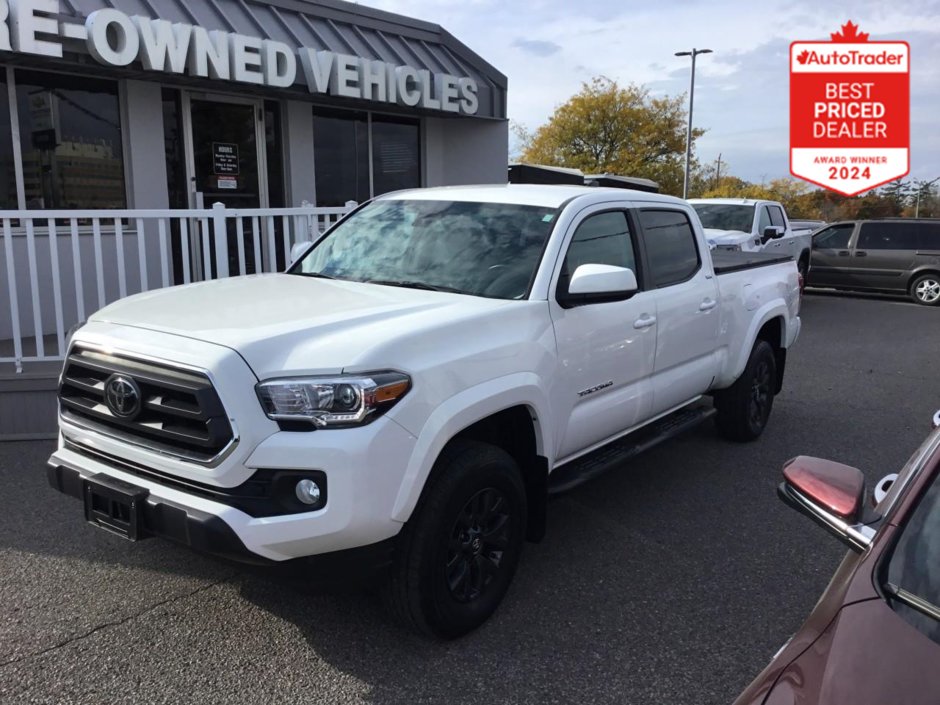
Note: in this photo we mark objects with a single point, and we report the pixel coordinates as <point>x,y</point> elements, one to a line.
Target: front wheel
<point>925,290</point>
<point>458,553</point>
<point>744,407</point>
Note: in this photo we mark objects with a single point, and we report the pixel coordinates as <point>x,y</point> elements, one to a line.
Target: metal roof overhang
<point>333,25</point>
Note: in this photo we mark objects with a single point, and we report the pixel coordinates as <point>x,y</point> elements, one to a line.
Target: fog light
<point>308,491</point>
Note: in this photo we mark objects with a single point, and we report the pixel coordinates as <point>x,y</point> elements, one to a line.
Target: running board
<point>605,458</point>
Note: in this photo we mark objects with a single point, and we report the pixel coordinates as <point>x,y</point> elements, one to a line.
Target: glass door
<point>226,157</point>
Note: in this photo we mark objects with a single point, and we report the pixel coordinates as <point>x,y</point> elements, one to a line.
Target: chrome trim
<point>912,600</point>
<point>911,469</point>
<point>859,536</point>
<point>212,462</point>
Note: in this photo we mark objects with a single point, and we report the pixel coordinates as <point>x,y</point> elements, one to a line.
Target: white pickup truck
<point>750,225</point>
<point>418,383</point>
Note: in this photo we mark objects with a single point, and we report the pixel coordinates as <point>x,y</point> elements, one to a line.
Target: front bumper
<point>364,469</point>
<point>199,530</point>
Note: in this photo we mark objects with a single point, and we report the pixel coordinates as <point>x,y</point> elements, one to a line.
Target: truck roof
<point>550,196</point>
<point>734,201</point>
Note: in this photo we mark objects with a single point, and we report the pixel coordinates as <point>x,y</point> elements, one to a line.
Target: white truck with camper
<point>749,225</point>
<point>418,382</point>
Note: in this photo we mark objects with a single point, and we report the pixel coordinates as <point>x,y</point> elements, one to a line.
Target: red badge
<point>850,111</point>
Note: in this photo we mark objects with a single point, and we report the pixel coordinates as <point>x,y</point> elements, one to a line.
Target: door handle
<point>843,253</point>
<point>707,305</point>
<point>861,254</point>
<point>644,321</point>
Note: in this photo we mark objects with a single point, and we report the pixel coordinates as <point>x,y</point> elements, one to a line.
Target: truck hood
<point>303,325</point>
<point>726,237</point>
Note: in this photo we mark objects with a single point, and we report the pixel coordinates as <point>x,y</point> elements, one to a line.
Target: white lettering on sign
<point>114,38</point>
<point>27,19</point>
<point>163,45</point>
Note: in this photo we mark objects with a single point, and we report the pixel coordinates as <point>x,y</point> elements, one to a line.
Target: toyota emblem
<point>122,395</point>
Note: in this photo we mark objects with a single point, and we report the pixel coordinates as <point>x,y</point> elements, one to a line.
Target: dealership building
<point>132,121</point>
<point>176,103</point>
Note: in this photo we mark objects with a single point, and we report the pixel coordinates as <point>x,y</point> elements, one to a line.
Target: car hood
<point>726,237</point>
<point>868,654</point>
<point>281,322</point>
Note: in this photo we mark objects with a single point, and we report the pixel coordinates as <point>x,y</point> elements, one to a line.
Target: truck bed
<point>726,261</point>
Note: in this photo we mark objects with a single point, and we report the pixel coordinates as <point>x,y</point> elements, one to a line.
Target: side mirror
<point>599,283</point>
<point>773,232</point>
<point>829,493</point>
<point>297,251</point>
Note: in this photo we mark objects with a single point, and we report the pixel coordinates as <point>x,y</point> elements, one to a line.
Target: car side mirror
<point>773,232</point>
<point>297,251</point>
<point>829,493</point>
<point>599,283</point>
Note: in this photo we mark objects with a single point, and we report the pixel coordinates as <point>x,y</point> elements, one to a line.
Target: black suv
<point>896,255</point>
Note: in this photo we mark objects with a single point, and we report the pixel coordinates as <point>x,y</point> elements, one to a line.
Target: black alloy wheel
<point>457,554</point>
<point>478,541</point>
<point>744,407</point>
<point>761,394</point>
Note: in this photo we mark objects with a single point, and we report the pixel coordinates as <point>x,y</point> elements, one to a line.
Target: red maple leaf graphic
<point>803,56</point>
<point>849,34</point>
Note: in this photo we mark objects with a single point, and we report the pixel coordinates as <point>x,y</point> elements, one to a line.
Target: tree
<point>607,128</point>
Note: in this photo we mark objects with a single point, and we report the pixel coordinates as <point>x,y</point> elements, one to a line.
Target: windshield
<point>483,249</point>
<point>725,216</point>
<point>913,573</point>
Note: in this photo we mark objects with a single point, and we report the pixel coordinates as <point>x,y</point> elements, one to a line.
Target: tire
<point>457,555</point>
<point>744,407</point>
<point>925,289</point>
<point>802,266</point>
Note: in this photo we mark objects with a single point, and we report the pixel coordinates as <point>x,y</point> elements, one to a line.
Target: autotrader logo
<point>122,395</point>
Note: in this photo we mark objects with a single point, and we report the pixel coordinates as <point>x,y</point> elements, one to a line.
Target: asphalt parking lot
<point>672,580</point>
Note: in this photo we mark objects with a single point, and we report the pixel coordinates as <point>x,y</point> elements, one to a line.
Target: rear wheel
<point>744,407</point>
<point>925,289</point>
<point>458,553</point>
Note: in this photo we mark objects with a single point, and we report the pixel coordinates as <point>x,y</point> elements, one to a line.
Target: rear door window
<point>671,249</point>
<point>835,237</point>
<point>889,236</point>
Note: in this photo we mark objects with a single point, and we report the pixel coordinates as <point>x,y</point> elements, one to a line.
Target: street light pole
<point>688,135</point>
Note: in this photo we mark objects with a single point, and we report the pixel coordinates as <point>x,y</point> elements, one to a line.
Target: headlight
<point>346,400</point>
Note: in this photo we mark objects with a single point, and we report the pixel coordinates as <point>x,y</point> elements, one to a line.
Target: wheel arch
<point>769,325</point>
<point>514,418</point>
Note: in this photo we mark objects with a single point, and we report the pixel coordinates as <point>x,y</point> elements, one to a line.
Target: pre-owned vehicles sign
<point>849,111</point>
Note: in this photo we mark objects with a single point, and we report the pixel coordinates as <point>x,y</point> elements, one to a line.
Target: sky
<point>547,48</point>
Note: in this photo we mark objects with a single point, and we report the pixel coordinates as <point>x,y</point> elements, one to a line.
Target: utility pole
<point>688,135</point>
<point>718,172</point>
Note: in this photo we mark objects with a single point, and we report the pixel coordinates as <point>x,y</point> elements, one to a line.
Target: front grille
<point>179,410</point>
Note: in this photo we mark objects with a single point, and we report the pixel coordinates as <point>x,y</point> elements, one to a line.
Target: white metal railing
<point>62,265</point>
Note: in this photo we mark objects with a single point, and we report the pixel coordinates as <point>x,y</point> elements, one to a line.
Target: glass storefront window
<point>396,155</point>
<point>70,137</point>
<point>342,156</point>
<point>7,166</point>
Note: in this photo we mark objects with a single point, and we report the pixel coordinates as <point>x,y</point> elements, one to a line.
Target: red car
<point>874,637</point>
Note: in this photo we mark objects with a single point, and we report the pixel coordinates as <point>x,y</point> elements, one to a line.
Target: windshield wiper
<point>913,601</point>
<point>318,275</point>
<point>404,283</point>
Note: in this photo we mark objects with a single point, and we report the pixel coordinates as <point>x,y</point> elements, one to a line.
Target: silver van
<point>899,255</point>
